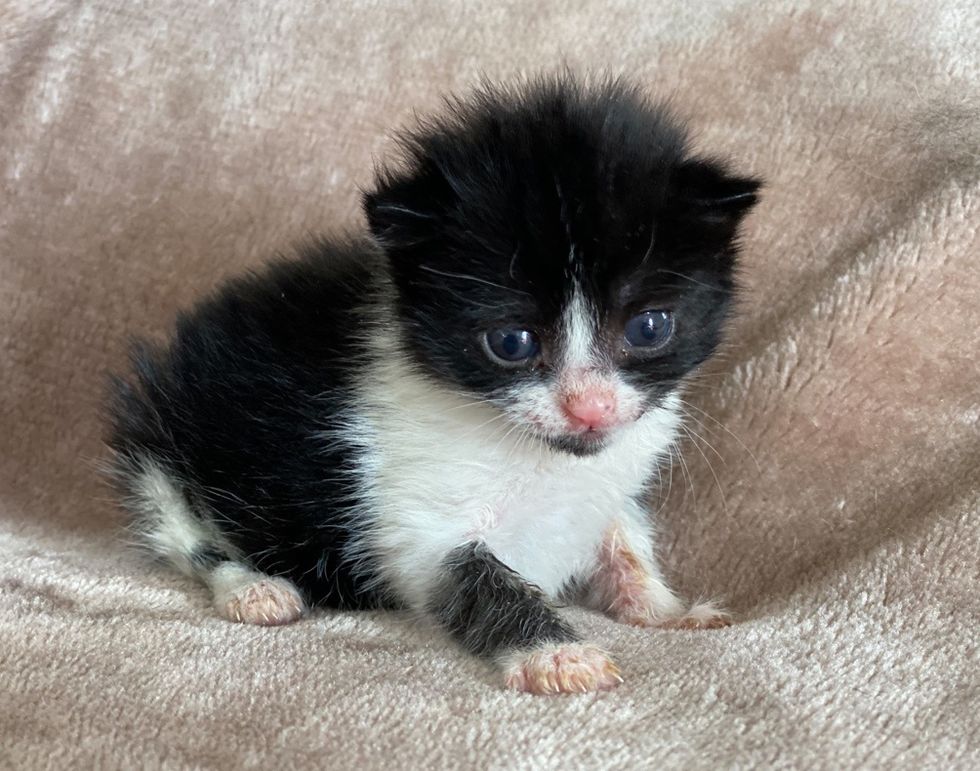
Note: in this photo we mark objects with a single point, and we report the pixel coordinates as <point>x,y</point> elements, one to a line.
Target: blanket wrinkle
<point>828,490</point>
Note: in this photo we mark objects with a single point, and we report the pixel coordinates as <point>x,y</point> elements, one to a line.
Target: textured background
<point>150,149</point>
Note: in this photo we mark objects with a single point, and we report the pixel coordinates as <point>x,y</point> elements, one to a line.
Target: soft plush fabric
<point>830,489</point>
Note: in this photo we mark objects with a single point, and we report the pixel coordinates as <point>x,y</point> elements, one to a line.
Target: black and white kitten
<point>460,415</point>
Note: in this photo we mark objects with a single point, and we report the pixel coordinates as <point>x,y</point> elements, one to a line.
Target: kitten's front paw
<point>560,668</point>
<point>266,602</point>
<point>704,615</point>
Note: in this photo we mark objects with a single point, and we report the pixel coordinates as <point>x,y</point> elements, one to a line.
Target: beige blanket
<point>831,488</point>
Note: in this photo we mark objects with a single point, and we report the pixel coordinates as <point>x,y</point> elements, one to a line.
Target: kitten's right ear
<point>405,210</point>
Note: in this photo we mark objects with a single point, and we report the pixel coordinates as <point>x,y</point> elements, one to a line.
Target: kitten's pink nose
<point>591,410</point>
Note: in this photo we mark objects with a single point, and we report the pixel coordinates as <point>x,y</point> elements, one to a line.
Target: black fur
<point>498,207</point>
<point>232,409</point>
<point>489,609</point>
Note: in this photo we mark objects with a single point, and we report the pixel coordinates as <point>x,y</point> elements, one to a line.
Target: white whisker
<point>724,502</point>
<point>478,280</point>
<point>728,431</point>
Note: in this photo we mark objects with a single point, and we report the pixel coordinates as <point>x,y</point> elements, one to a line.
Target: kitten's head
<point>556,251</point>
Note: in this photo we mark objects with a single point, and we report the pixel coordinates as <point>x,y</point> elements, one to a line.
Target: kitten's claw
<point>563,668</point>
<point>702,616</point>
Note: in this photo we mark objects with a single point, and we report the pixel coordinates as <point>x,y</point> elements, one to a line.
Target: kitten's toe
<point>704,615</point>
<point>560,668</point>
<point>266,602</point>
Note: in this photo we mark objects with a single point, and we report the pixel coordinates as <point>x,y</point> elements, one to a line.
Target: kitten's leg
<point>167,525</point>
<point>245,595</point>
<point>496,614</point>
<point>628,586</point>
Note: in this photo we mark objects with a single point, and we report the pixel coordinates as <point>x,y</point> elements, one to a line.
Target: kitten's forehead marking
<point>579,329</point>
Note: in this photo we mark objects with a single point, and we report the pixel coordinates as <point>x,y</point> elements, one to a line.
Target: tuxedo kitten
<point>460,414</point>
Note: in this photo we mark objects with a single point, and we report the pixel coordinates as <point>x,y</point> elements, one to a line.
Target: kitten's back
<point>230,442</point>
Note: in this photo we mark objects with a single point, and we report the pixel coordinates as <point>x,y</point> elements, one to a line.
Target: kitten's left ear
<point>405,209</point>
<point>706,190</point>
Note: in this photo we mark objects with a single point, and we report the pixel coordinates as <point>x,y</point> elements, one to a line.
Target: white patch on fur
<point>652,601</point>
<point>165,522</point>
<point>578,333</point>
<point>352,428</point>
<point>447,469</point>
<point>247,596</point>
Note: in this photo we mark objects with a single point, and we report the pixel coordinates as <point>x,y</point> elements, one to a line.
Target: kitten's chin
<point>579,445</point>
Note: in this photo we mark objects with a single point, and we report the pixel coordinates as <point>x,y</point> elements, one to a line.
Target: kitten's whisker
<point>390,207</point>
<point>712,287</point>
<point>654,497</point>
<point>473,430</point>
<point>513,427</point>
<point>670,479</point>
<point>653,237</point>
<point>516,445</point>
<point>727,430</point>
<point>685,472</point>
<point>724,501</point>
<point>693,434</point>
<point>462,298</point>
<point>474,403</point>
<point>478,280</point>
<point>471,396</point>
<point>528,438</point>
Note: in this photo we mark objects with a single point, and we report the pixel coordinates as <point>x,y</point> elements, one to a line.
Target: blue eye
<point>650,329</point>
<point>513,346</point>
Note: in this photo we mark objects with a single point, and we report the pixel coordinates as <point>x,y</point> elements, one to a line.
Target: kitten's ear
<point>705,189</point>
<point>405,210</point>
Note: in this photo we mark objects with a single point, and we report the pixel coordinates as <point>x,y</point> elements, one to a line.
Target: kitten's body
<point>331,432</point>
<point>450,472</point>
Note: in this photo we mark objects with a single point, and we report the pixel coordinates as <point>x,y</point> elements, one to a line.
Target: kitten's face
<point>556,254</point>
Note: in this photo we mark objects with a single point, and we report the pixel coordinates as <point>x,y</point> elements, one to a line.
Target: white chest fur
<point>440,470</point>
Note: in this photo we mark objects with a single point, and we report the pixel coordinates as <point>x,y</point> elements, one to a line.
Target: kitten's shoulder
<point>317,270</point>
<point>307,299</point>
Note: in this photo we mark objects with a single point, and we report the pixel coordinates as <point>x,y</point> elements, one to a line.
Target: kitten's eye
<point>512,346</point>
<point>650,330</point>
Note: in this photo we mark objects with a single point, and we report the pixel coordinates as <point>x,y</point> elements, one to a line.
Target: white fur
<point>634,527</point>
<point>579,331</point>
<point>168,527</point>
<point>449,470</point>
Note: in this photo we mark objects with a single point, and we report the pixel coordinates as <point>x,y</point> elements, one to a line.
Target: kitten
<point>461,414</point>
